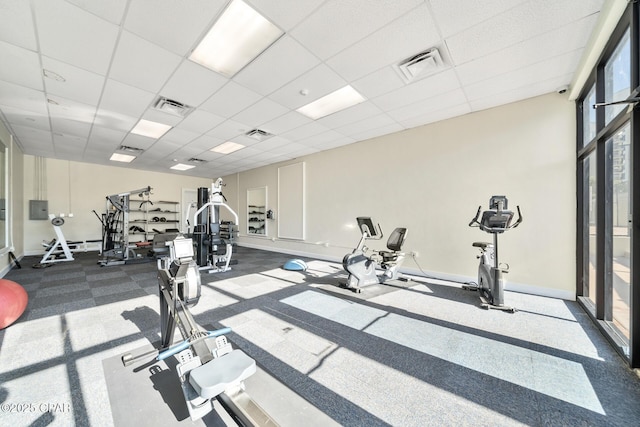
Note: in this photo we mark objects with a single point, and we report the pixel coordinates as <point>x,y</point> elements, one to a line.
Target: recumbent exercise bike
<point>362,268</point>
<point>496,220</point>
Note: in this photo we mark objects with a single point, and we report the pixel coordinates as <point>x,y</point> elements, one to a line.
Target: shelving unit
<point>256,220</point>
<point>152,217</point>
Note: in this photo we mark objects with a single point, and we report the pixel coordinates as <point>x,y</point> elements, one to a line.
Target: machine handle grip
<point>475,219</point>
<point>517,223</point>
<point>187,343</point>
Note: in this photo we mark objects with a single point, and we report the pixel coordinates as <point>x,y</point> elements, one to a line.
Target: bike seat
<point>482,245</point>
<point>214,377</point>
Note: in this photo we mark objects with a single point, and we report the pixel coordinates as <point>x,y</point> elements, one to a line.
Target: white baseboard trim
<point>510,286</point>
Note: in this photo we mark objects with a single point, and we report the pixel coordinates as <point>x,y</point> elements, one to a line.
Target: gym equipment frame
<point>61,250</point>
<point>362,267</point>
<point>496,220</point>
<point>205,372</point>
<point>115,229</point>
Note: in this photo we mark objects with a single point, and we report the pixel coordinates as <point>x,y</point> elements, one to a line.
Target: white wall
<point>79,188</point>
<point>432,179</point>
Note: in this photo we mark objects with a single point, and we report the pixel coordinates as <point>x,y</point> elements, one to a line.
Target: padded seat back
<point>396,239</point>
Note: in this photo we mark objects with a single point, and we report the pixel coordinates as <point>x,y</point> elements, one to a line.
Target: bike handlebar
<point>476,223</point>
<point>187,343</point>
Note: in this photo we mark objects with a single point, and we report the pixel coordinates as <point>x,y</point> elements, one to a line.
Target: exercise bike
<point>496,220</point>
<point>362,268</point>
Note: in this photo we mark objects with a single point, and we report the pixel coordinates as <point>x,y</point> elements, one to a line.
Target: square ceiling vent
<point>172,107</point>
<point>421,65</point>
<point>258,134</point>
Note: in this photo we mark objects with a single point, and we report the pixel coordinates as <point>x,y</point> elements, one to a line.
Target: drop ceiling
<point>108,62</point>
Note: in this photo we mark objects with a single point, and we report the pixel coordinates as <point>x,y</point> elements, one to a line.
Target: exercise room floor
<point>412,353</point>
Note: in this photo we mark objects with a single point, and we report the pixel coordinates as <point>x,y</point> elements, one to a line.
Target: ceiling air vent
<point>420,65</point>
<point>258,134</point>
<point>130,149</point>
<point>172,107</point>
<point>196,160</point>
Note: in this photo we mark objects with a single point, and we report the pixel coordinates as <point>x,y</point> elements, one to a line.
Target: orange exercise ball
<point>13,302</point>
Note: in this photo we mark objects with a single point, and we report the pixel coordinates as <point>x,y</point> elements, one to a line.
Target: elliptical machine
<point>496,220</point>
<point>362,268</point>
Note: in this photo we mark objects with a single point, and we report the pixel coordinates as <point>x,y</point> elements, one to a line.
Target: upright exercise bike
<point>362,267</point>
<point>496,220</point>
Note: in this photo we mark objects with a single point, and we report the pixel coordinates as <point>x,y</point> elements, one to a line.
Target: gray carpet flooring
<point>415,353</point>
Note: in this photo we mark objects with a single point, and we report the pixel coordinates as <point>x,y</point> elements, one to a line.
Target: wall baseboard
<point>510,286</point>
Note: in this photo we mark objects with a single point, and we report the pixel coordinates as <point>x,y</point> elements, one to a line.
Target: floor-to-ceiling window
<point>608,125</point>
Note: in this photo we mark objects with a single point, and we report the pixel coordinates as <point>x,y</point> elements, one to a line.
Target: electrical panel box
<point>39,209</point>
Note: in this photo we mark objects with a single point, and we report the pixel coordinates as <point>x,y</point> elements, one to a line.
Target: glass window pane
<point>589,230</point>
<point>589,117</point>
<point>617,77</point>
<point>621,273</point>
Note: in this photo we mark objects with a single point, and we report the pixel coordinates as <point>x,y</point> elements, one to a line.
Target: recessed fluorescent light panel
<point>181,167</point>
<point>150,129</point>
<point>332,103</point>
<point>236,39</point>
<point>227,147</point>
<point>125,158</point>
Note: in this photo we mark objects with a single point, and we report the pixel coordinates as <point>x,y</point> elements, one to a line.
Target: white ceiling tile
<point>25,66</point>
<point>361,126</point>
<point>22,98</point>
<point>16,24</point>
<point>26,118</point>
<point>68,109</point>
<point>138,141</point>
<point>209,155</point>
<point>305,131</point>
<point>200,121</point>
<point>405,37</point>
<point>375,132</point>
<point>527,20</point>
<point>273,142</point>
<point>260,112</point>
<point>287,56</point>
<point>70,127</point>
<point>75,36</point>
<point>229,129</point>
<point>192,84</point>
<point>326,138</point>
<point>378,83</point>
<point>175,26</point>
<point>348,23</point>
<point>112,10</point>
<point>285,13</point>
<point>230,100</point>
<point>284,123</point>
<point>437,115</point>
<point>69,143</point>
<point>149,71</point>
<point>305,152</point>
<point>428,87</point>
<point>79,85</point>
<point>179,136</point>
<point>427,106</point>
<point>528,52</point>
<point>32,137</point>
<point>205,142</point>
<point>352,114</point>
<point>561,65</point>
<point>240,155</point>
<point>519,93</point>
<point>334,143</point>
<point>161,117</point>
<point>105,137</point>
<point>318,82</point>
<point>115,121</point>
<point>162,148</point>
<point>124,99</point>
<point>454,16</point>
